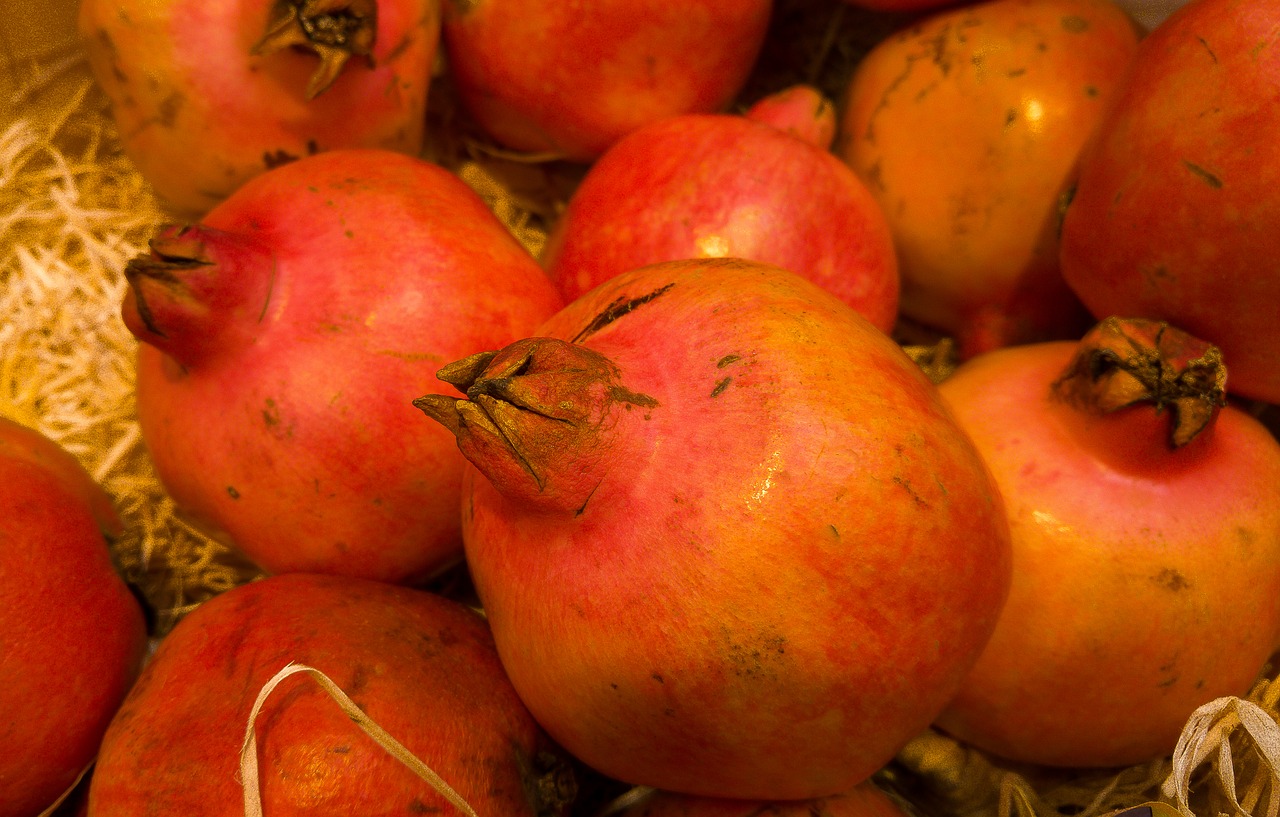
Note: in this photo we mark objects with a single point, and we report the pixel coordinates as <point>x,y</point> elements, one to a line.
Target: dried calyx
<point>538,418</point>
<point>1123,362</point>
<point>334,29</point>
<point>196,289</point>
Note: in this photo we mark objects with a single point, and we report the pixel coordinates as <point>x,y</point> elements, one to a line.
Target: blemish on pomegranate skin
<point>658,677</point>
<point>621,306</point>
<point>1171,580</point>
<point>721,386</point>
<point>1075,24</point>
<point>1207,177</point>
<point>726,360</point>
<point>232,492</point>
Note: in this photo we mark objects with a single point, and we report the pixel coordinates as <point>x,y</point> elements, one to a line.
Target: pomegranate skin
<point>1174,215</point>
<point>570,79</point>
<point>420,666</point>
<point>773,545</point>
<point>966,125</point>
<point>719,185</point>
<point>863,800</point>
<point>74,634</point>
<point>1146,580</point>
<point>275,402</point>
<point>200,110</point>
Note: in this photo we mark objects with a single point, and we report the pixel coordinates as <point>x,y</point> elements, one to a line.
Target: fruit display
<point>815,407</point>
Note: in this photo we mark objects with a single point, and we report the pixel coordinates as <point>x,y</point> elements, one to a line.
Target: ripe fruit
<point>206,95</point>
<point>1146,537</point>
<point>863,800</point>
<point>720,519</point>
<point>418,665</point>
<point>74,634</point>
<point>966,127</point>
<point>1175,216</point>
<point>283,338</point>
<point>721,185</point>
<point>570,79</point>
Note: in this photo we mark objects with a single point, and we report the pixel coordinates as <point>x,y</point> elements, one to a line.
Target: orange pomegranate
<point>966,127</point>
<point>1146,544</point>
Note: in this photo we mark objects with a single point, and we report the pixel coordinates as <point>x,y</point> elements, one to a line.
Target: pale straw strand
<point>249,750</point>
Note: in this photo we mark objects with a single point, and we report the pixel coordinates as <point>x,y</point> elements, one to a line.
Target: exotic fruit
<point>1146,539</point>
<point>1175,215</point>
<point>280,336</point>
<point>761,186</point>
<point>728,539</point>
<point>863,800</point>
<point>206,95</point>
<point>419,667</point>
<point>570,79</point>
<point>74,635</point>
<point>966,126</point>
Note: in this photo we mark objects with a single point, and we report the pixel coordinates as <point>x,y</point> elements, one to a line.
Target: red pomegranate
<point>570,79</point>
<point>1146,544</point>
<point>419,666</point>
<point>722,185</point>
<point>718,519</point>
<point>863,800</point>
<point>207,95</point>
<point>74,634</point>
<point>280,337</point>
<point>1175,215</point>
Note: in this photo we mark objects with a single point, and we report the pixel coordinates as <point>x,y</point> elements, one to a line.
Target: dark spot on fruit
<point>669,712</point>
<point>341,750</point>
<point>834,531</point>
<point>1091,91</point>
<point>419,807</point>
<point>1010,116</point>
<point>911,491</point>
<point>1074,24</point>
<point>312,147</point>
<point>726,360</point>
<point>721,386</point>
<point>167,110</point>
<point>271,414</point>
<point>657,677</point>
<point>1209,50</point>
<point>1171,579</point>
<point>1209,178</point>
<point>232,492</point>
<point>621,306</point>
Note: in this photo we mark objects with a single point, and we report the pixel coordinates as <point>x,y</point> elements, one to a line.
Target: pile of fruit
<point>830,407</point>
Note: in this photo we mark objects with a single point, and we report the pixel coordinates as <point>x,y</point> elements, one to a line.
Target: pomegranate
<point>902,6</point>
<point>1175,216</point>
<point>718,185</point>
<point>719,519</point>
<point>74,634</point>
<point>420,666</point>
<point>572,78</point>
<point>206,95</point>
<point>863,800</point>
<point>280,336</point>
<point>966,127</point>
<point>1146,544</point>
<point>801,110</point>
